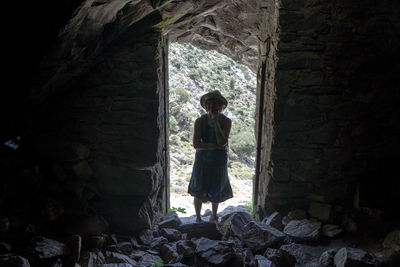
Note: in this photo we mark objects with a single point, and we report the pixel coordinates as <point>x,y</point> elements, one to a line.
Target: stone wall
<point>113,117</point>
<point>335,116</point>
<point>265,100</point>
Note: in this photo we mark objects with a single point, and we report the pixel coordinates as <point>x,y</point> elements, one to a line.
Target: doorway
<point>193,72</point>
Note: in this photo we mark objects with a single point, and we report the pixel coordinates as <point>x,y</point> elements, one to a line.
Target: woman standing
<point>209,180</point>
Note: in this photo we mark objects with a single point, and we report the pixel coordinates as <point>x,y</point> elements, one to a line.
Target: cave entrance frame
<point>242,188</point>
<point>265,93</point>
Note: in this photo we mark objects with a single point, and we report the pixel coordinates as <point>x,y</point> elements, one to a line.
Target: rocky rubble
<point>42,229</point>
<point>237,240</point>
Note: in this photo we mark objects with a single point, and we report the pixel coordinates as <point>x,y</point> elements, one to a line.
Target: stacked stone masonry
<point>335,86</point>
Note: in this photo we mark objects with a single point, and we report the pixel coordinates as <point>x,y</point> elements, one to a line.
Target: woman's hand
<point>214,116</point>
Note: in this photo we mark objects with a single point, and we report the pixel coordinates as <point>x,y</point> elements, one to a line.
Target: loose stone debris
<point>237,240</point>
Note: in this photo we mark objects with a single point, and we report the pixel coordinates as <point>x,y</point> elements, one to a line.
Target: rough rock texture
<point>43,248</point>
<point>304,255</point>
<point>274,220</point>
<point>215,252</point>
<point>10,260</point>
<point>88,103</point>
<point>232,225</point>
<point>258,236</point>
<point>279,257</point>
<point>303,230</point>
<point>204,229</point>
<point>353,257</point>
<point>392,240</point>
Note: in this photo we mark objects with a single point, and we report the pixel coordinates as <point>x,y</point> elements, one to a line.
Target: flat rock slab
<point>303,230</point>
<point>92,259</point>
<point>258,236</point>
<point>353,257</point>
<point>298,214</point>
<point>13,260</point>
<point>171,234</point>
<point>117,265</point>
<point>261,261</point>
<point>215,252</point>
<point>274,220</point>
<point>118,258</point>
<point>44,248</point>
<point>305,255</point>
<point>279,257</point>
<point>202,229</point>
<point>171,222</point>
<point>149,259</point>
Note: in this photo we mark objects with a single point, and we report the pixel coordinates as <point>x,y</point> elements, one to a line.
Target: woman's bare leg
<point>214,211</point>
<point>197,208</point>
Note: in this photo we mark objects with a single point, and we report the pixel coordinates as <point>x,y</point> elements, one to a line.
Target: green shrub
<point>243,142</point>
<point>240,171</point>
<point>182,94</point>
<point>172,123</point>
<point>173,139</point>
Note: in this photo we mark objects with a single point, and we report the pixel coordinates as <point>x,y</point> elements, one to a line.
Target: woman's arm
<point>222,134</point>
<point>197,144</point>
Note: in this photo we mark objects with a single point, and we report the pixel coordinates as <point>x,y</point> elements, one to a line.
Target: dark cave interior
<point>85,101</point>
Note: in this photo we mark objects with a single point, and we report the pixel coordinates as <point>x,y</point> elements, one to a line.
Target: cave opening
<point>193,72</point>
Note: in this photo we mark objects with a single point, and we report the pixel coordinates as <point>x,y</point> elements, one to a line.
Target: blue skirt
<point>209,181</point>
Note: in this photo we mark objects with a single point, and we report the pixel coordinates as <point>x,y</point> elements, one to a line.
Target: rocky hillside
<point>193,72</point>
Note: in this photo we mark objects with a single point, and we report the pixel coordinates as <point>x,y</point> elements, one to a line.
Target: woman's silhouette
<point>209,180</point>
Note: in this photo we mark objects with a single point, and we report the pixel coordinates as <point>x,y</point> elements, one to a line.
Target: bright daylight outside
<point>192,73</point>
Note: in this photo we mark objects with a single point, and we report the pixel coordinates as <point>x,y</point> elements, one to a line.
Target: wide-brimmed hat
<point>213,95</point>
